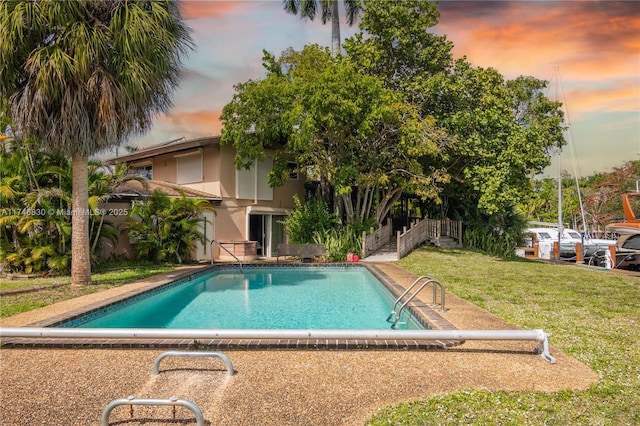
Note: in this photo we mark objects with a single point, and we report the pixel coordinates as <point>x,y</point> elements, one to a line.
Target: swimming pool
<point>260,297</point>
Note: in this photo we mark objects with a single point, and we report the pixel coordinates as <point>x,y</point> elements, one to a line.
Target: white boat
<point>546,237</point>
<point>590,246</point>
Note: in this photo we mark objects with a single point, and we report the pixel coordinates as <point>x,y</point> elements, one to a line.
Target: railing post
<point>364,244</point>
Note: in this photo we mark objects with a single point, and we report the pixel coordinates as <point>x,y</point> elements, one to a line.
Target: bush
<point>498,235</point>
<point>165,229</point>
<point>340,242</point>
<point>305,221</point>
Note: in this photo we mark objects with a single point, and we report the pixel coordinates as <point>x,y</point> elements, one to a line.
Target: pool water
<point>350,298</point>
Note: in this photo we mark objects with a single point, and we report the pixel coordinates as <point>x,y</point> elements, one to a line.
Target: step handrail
<point>395,315</point>
<point>414,294</point>
<point>413,284</point>
<point>223,357</point>
<point>132,400</point>
<point>213,241</point>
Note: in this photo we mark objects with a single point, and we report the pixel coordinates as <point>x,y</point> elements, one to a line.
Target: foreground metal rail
<point>223,357</point>
<point>133,401</point>
<point>195,334</point>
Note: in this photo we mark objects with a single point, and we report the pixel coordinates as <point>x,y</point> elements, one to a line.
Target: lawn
<point>47,291</point>
<point>594,315</point>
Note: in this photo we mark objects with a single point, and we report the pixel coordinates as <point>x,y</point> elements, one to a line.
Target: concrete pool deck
<point>270,387</point>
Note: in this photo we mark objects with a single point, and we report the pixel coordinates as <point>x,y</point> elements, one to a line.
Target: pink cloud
<point>198,9</point>
<point>526,37</point>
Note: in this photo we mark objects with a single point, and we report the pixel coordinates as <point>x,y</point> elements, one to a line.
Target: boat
<point>628,231</point>
<point>590,246</point>
<point>545,237</point>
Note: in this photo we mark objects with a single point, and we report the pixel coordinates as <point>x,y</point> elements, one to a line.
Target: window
<point>145,171</point>
<point>189,167</point>
<point>294,173</point>
<point>253,184</point>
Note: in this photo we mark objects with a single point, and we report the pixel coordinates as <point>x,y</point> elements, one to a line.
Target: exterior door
<point>257,232</point>
<point>203,251</point>
<point>268,231</point>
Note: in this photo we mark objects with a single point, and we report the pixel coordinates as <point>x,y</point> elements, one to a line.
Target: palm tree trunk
<point>80,260</point>
<point>335,28</point>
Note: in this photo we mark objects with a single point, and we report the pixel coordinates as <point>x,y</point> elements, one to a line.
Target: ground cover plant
<point>592,315</point>
<point>22,295</point>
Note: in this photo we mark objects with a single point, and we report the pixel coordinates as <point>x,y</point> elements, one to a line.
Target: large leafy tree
<point>506,131</point>
<point>395,43</point>
<point>83,76</point>
<point>344,128</point>
<point>329,11</point>
<point>502,131</point>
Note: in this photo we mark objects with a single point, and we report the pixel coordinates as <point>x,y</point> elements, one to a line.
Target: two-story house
<point>247,209</point>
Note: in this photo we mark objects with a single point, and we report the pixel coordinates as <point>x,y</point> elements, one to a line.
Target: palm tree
<point>329,10</point>
<point>83,76</point>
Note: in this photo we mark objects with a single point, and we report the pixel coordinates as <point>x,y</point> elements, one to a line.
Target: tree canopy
<point>399,114</point>
<point>343,127</point>
<point>329,11</point>
<point>502,131</point>
<point>82,76</point>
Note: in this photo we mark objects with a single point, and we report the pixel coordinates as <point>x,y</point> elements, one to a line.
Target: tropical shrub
<point>340,242</point>
<point>165,229</point>
<point>34,193</point>
<point>35,213</point>
<point>305,221</point>
<point>497,234</point>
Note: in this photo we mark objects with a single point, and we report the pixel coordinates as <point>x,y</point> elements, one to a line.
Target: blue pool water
<point>349,298</point>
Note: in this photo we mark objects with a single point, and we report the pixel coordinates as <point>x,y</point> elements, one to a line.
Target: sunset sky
<point>595,45</point>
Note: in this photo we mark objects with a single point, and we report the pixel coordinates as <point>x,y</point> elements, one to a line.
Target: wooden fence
<point>428,230</point>
<point>376,238</point>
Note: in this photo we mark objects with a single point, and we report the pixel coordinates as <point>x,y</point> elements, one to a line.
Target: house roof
<point>136,189</point>
<point>173,146</point>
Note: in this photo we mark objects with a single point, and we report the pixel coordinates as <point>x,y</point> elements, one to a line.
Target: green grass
<point>593,315</point>
<point>56,289</point>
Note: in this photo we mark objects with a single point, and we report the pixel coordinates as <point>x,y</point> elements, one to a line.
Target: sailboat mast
<point>572,150</point>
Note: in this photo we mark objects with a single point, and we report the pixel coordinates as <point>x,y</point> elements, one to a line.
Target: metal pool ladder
<point>394,316</point>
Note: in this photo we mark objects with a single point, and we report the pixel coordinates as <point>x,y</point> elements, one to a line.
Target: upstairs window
<point>189,167</point>
<point>253,184</point>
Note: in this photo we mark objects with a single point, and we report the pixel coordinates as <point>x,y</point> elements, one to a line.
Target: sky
<point>588,50</point>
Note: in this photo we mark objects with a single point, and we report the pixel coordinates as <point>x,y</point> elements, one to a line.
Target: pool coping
<point>422,311</point>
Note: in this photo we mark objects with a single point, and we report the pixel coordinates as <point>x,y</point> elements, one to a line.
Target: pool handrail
<point>413,295</point>
<point>394,316</point>
<point>213,241</point>
<point>223,357</point>
<point>132,400</point>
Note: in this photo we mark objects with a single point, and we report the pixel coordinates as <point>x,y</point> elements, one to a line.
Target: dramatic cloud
<point>594,44</point>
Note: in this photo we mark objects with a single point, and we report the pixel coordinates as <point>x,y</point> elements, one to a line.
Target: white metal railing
<point>132,400</point>
<point>195,334</point>
<point>376,238</point>
<point>223,357</point>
